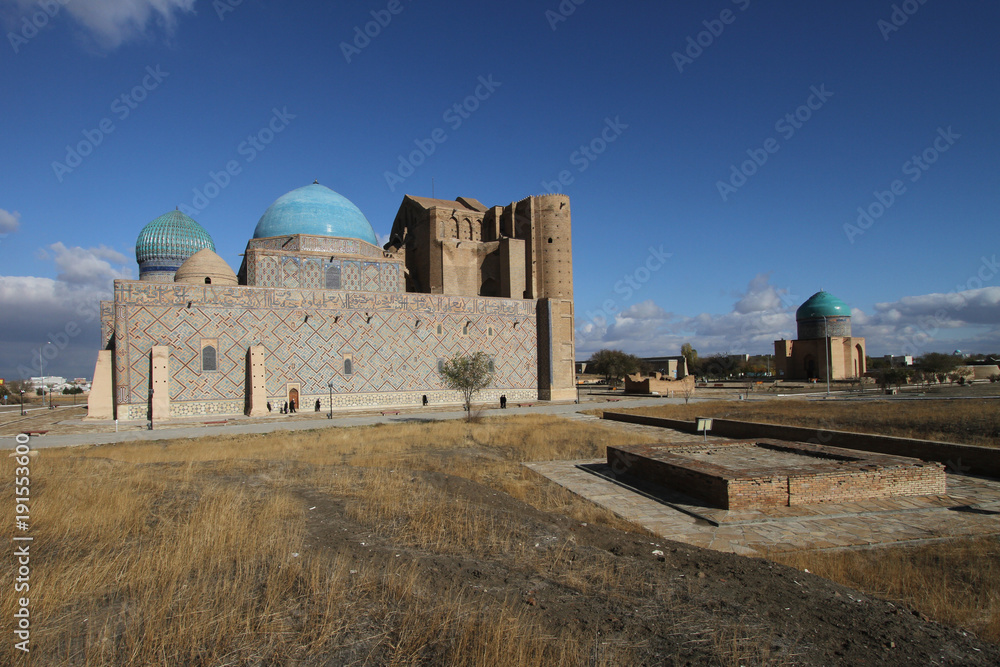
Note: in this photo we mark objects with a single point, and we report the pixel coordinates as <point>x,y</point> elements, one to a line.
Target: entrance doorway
<point>293,399</point>
<point>810,367</point>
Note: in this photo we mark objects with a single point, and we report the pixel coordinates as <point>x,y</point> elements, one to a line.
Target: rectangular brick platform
<point>771,473</point>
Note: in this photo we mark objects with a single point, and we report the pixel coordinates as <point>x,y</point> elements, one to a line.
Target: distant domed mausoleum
<point>824,342</point>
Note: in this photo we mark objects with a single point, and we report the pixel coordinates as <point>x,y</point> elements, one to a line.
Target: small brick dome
<point>205,268</point>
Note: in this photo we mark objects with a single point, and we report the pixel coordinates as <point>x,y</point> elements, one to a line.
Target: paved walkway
<point>300,422</point>
<point>971,508</point>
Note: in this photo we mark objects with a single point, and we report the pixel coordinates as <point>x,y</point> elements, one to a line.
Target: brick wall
<point>973,460</point>
<point>746,475</point>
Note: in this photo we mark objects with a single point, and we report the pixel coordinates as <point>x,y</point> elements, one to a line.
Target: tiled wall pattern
<point>306,272</point>
<point>324,244</point>
<point>393,340</point>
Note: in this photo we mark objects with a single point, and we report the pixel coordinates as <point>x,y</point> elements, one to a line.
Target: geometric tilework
<point>107,323</point>
<point>323,244</point>
<point>340,402</point>
<point>293,271</point>
<point>392,339</point>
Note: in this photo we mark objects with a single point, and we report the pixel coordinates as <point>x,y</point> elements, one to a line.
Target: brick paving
<point>970,508</point>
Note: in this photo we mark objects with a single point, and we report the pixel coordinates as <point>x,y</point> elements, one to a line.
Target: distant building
<point>899,359</point>
<point>657,383</point>
<point>674,368</point>
<point>46,381</point>
<point>824,341</point>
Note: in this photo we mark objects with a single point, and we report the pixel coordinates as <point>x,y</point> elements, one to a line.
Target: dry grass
<point>968,421</point>
<point>195,552</point>
<point>956,583</point>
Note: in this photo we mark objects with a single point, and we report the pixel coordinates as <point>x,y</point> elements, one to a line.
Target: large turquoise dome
<point>166,243</point>
<point>315,210</point>
<point>822,304</point>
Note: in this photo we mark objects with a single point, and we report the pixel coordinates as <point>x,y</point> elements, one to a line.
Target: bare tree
<point>687,391</point>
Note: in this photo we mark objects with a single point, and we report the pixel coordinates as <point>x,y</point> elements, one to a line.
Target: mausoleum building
<point>317,311</point>
<point>824,346</point>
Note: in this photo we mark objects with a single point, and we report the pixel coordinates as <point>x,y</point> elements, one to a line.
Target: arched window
<point>348,366</point>
<point>333,276</point>
<point>208,281</point>
<point>208,358</point>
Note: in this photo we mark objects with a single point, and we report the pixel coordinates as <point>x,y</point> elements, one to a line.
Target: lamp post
<point>329,415</point>
<point>22,402</point>
<point>826,330</point>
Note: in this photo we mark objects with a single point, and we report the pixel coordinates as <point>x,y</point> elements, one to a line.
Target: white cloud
<point>9,221</point>
<point>760,315</point>
<point>761,296</point>
<point>979,306</point>
<point>64,310</point>
<point>968,319</point>
<point>109,23</point>
<point>645,310</point>
<point>88,267</point>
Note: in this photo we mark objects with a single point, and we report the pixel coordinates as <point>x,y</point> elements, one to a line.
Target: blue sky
<point>716,154</point>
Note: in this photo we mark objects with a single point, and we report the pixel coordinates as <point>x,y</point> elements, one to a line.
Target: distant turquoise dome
<point>822,304</point>
<point>166,243</point>
<point>315,210</point>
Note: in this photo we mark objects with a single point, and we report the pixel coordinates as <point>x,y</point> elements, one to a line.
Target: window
<point>208,281</point>
<point>465,328</point>
<point>333,275</point>
<point>348,366</point>
<point>440,365</point>
<point>492,366</point>
<point>440,329</point>
<point>208,358</point>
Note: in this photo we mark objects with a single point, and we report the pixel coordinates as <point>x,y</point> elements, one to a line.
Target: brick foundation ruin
<point>770,473</point>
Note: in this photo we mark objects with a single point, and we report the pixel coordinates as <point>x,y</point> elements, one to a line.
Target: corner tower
<point>551,257</point>
<point>554,247</point>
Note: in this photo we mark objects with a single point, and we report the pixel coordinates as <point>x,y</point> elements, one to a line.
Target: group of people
<point>287,407</point>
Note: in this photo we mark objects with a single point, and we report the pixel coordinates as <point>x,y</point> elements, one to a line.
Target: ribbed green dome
<point>165,243</point>
<point>822,304</point>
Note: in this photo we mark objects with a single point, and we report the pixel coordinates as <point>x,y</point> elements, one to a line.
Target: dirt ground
<point>562,574</point>
<point>674,604</point>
